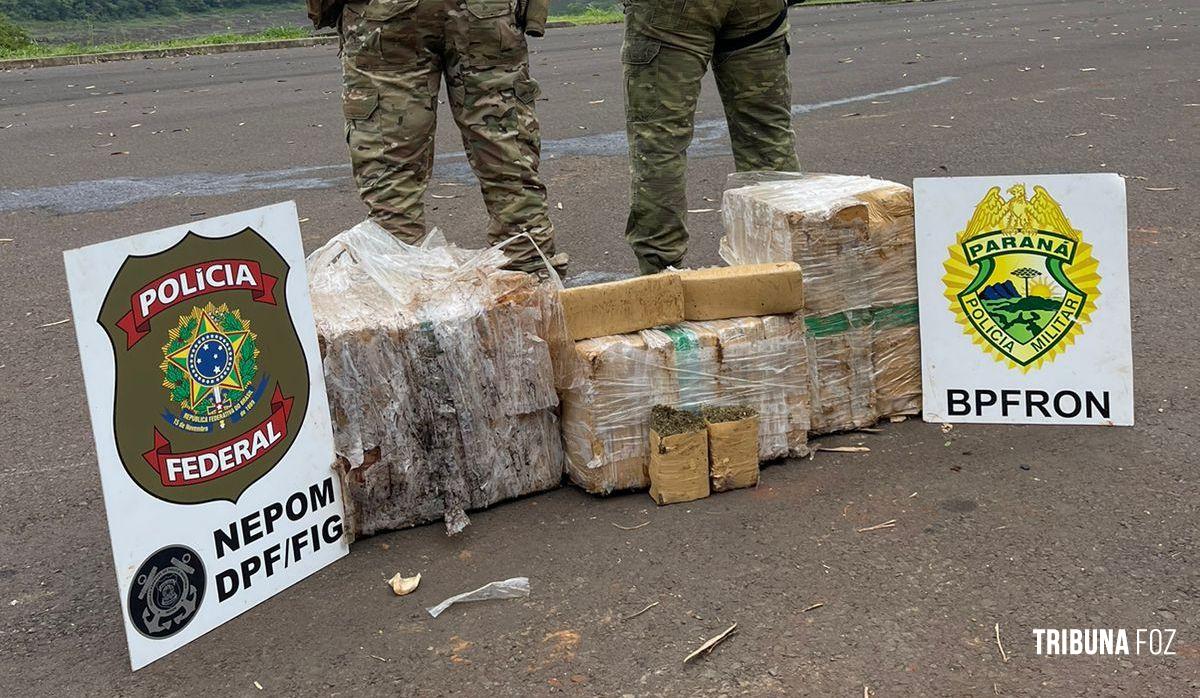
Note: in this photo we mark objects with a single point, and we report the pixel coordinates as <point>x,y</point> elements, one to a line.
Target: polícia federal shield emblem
<point>1020,279</point>
<point>211,379</point>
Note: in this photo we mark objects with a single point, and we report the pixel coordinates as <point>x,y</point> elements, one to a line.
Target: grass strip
<point>75,49</point>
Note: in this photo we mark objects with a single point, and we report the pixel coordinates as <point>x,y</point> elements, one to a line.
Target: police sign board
<point>212,431</point>
<point>1024,299</point>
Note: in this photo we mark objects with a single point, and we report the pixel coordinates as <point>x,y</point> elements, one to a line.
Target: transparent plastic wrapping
<point>854,239</point>
<point>760,362</point>
<point>439,374</point>
<point>515,588</point>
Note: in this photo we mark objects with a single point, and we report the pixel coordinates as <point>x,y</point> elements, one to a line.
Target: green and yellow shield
<point>1020,279</point>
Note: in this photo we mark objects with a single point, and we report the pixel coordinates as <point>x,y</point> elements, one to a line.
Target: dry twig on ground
<point>711,643</point>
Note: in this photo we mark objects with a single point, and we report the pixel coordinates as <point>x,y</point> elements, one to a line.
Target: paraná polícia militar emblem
<point>1020,279</point>
<point>211,379</point>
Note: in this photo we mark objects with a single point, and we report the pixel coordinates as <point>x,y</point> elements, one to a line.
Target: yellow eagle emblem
<point>1020,279</point>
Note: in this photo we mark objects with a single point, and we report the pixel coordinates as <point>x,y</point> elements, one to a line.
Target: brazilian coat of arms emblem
<point>211,378</point>
<point>1020,279</point>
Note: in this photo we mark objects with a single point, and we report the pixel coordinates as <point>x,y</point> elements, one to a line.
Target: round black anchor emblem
<point>166,592</point>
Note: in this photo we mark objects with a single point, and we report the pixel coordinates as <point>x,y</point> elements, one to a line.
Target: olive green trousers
<point>668,47</point>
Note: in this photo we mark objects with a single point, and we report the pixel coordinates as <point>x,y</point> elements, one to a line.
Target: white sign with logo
<point>207,399</point>
<point>1024,299</point>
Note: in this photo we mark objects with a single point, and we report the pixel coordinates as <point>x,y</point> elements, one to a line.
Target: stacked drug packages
<point>440,377</point>
<point>854,239</point>
<point>760,362</point>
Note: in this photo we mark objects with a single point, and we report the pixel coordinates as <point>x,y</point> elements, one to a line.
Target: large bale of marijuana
<point>854,239</point>
<point>440,379</point>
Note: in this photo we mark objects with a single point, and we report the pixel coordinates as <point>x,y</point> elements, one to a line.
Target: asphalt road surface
<point>1017,527</point>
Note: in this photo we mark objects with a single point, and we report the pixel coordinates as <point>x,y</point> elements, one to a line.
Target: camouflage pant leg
<point>668,44</point>
<point>757,95</point>
<point>391,79</point>
<point>492,97</point>
<point>662,85</point>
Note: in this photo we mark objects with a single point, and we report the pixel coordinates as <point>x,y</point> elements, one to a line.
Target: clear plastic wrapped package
<point>854,239</point>
<point>760,362</point>
<point>440,380</point>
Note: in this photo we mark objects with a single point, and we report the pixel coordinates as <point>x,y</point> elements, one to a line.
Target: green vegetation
<point>591,14</point>
<point>1023,318</point>
<point>43,51</point>
<point>578,7</point>
<point>71,27</point>
<point>118,9</point>
<point>12,37</point>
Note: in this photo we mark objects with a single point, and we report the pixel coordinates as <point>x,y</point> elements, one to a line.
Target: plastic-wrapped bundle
<point>841,377</point>
<point>759,362</point>
<point>440,379</point>
<point>854,239</point>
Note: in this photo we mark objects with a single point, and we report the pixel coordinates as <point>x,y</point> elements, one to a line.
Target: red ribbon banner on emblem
<point>207,464</point>
<point>191,282</point>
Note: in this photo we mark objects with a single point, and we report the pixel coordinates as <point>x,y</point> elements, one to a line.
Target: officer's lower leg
<point>391,165</point>
<point>656,226</point>
<point>493,107</point>
<point>757,96</point>
<point>660,106</point>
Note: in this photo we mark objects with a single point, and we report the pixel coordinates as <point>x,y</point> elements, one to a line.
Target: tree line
<point>119,9</point>
<point>127,9</point>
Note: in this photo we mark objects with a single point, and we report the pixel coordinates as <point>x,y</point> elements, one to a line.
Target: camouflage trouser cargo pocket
<point>377,34</point>
<point>358,106</point>
<point>639,50</point>
<point>491,35</point>
<point>642,101</point>
<point>484,9</point>
<point>527,90</point>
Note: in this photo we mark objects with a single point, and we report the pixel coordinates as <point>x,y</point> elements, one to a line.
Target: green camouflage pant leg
<point>662,85</point>
<point>668,44</point>
<point>756,92</point>
<point>391,78</point>
<point>492,95</point>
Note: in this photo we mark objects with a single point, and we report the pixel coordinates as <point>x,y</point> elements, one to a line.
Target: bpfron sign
<point>212,431</point>
<point>1024,295</point>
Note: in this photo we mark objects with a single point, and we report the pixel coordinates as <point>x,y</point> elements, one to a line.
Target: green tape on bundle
<point>882,318</point>
<point>682,339</point>
<point>896,316</point>
<point>694,386</point>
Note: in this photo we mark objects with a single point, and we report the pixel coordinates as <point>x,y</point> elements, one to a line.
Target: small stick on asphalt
<point>632,528</point>
<point>52,324</point>
<point>640,612</point>
<point>710,644</point>
<point>813,607</point>
<point>1000,646</point>
<point>844,449</point>
<point>891,523</point>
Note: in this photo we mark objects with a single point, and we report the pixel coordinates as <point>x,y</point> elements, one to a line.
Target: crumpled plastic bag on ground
<point>506,589</point>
